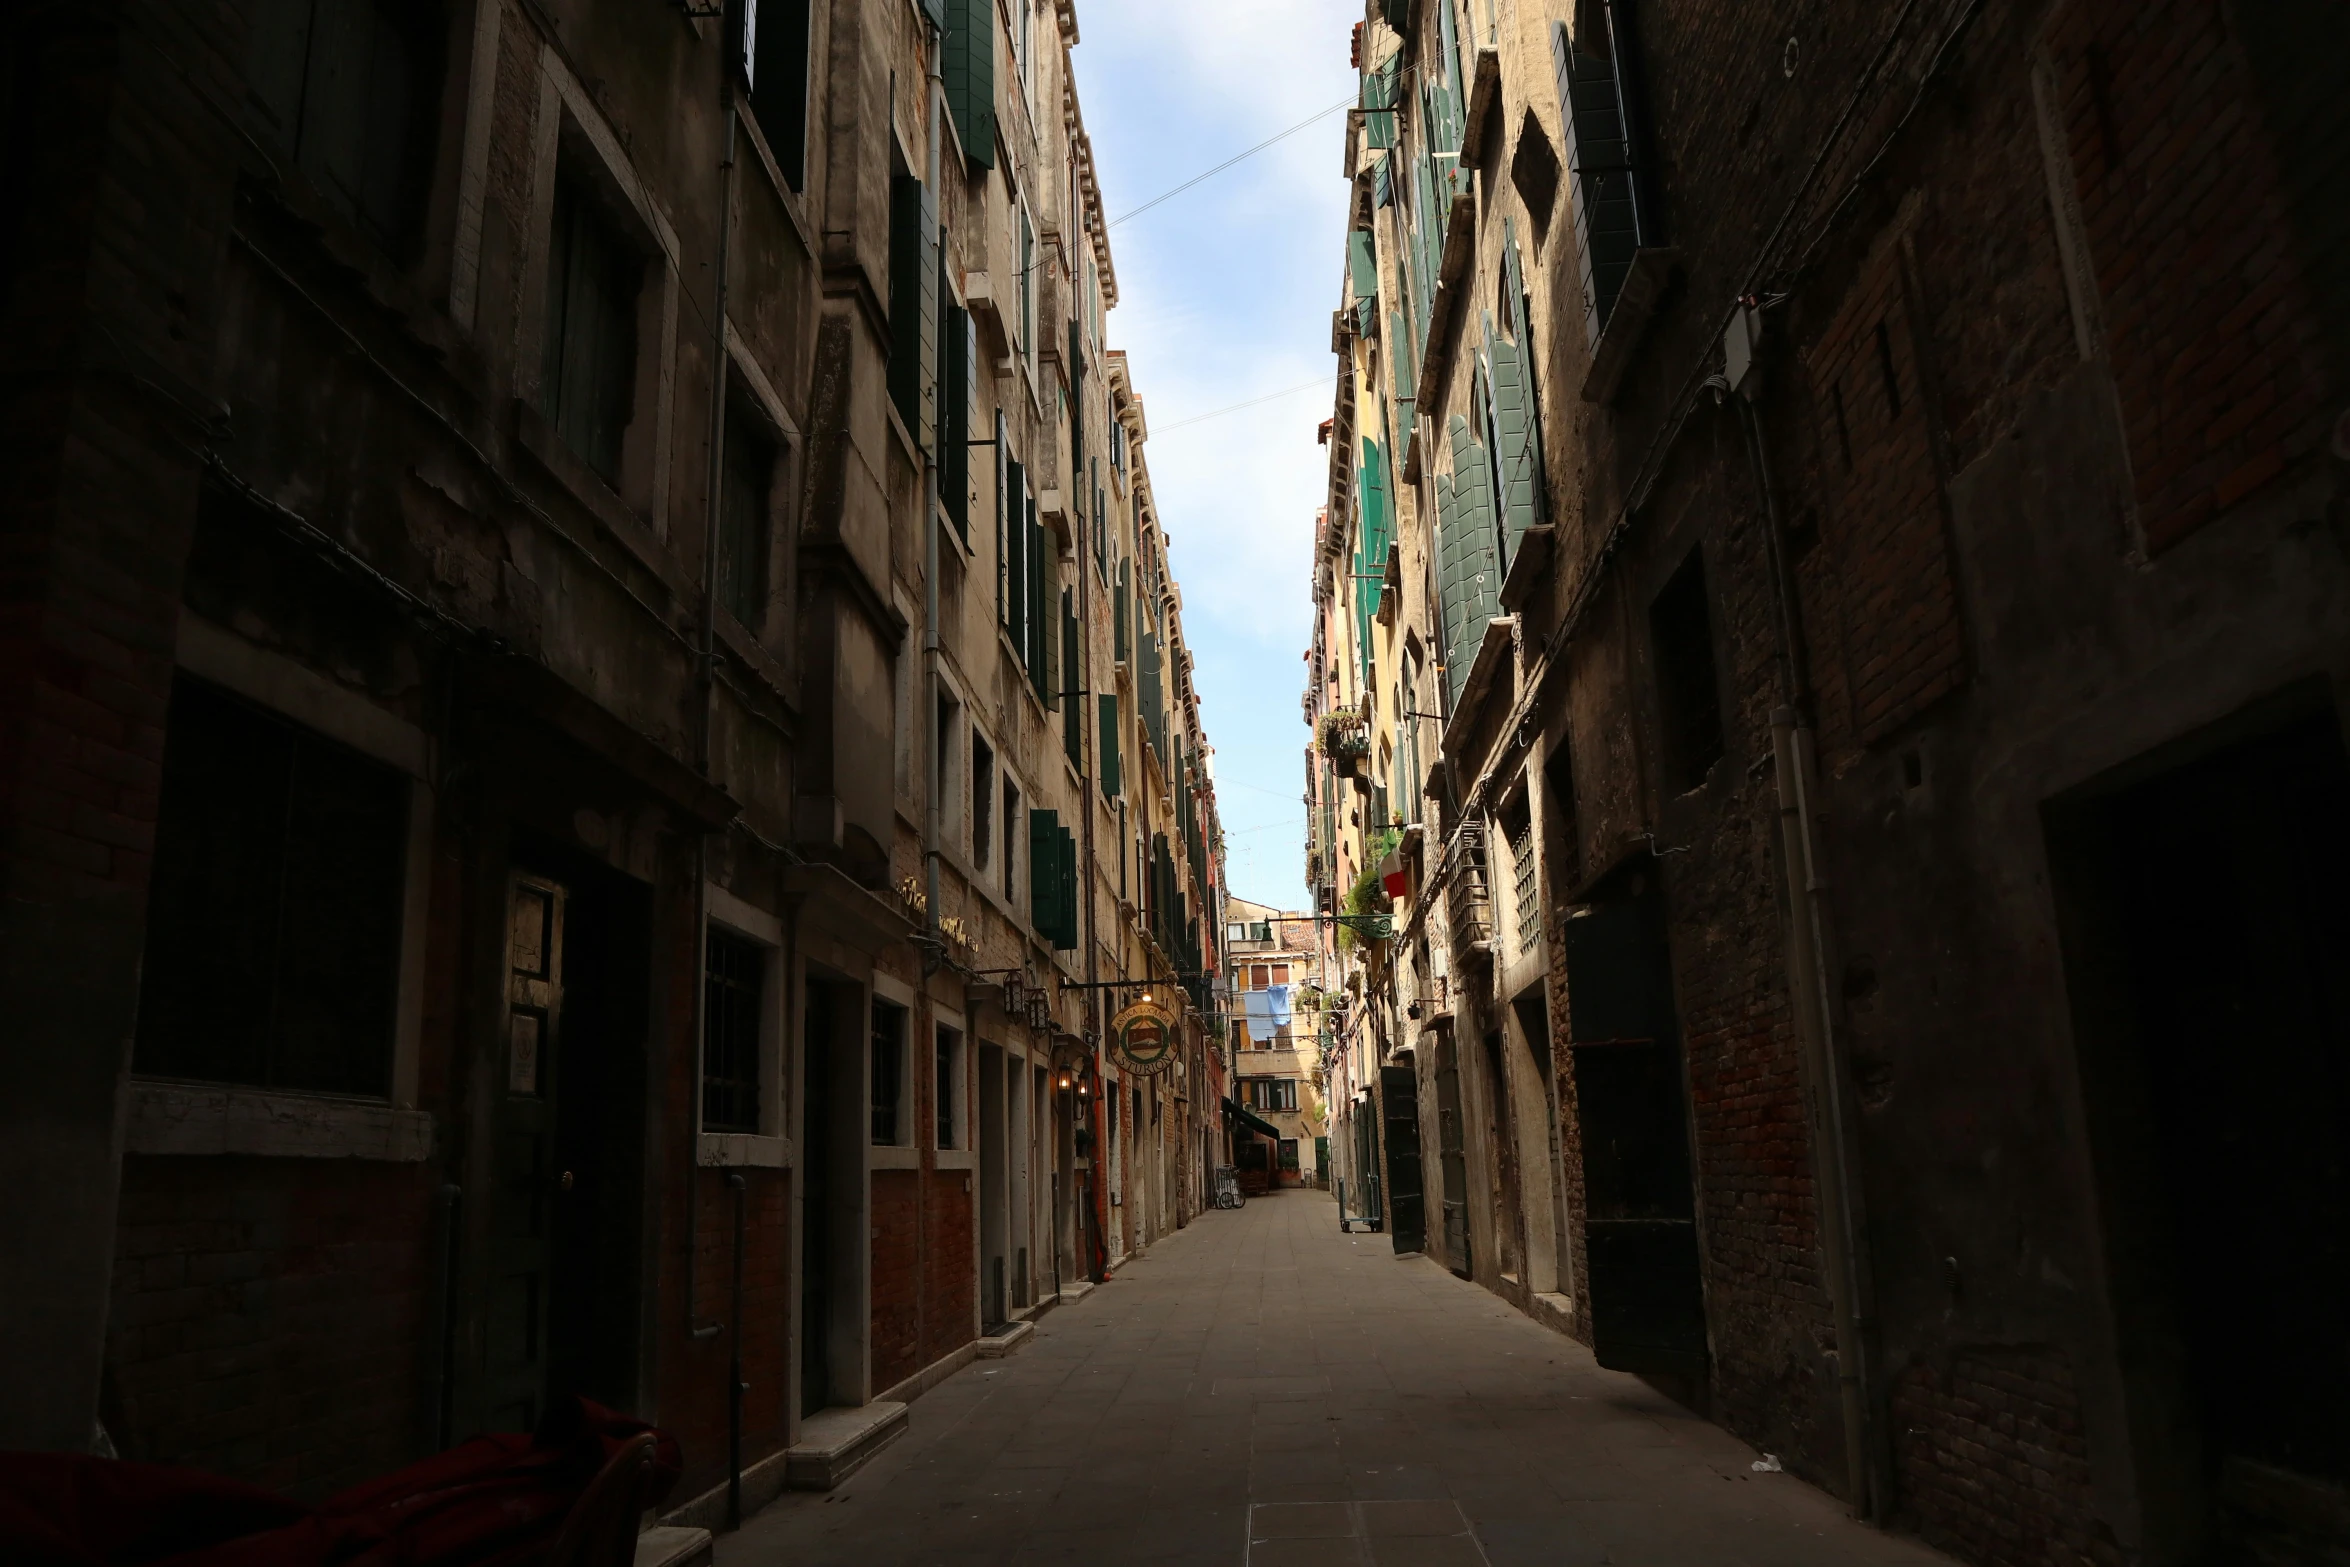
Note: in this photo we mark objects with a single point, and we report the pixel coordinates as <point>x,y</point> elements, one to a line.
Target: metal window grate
<point>733,978</point>
<point>1529,903</point>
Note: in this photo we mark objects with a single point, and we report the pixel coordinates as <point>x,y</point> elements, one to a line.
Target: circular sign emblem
<point>1143,1036</point>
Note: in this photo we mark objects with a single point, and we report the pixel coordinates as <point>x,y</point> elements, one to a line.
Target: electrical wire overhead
<point>1218,413</point>
<point>1315,118</point>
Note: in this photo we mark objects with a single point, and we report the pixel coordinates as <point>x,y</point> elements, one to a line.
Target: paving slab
<point>1264,1391</point>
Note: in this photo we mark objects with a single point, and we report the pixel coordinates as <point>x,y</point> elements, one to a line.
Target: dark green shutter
<point>1468,571</point>
<point>1044,872</point>
<point>1513,427</point>
<point>1119,632</point>
<point>1599,162</point>
<point>913,305</point>
<point>1362,265</point>
<point>956,345</point>
<point>1015,539</point>
<point>1399,355</point>
<point>1065,937</point>
<point>1107,748</point>
<point>1039,621</point>
<point>968,65</point>
<point>1072,713</point>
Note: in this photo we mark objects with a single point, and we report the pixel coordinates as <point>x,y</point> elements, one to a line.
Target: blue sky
<point>1225,295</point>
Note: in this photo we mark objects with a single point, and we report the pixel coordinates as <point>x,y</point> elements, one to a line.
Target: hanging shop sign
<point>1143,1038</point>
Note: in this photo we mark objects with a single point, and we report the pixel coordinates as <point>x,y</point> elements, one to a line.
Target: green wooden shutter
<point>1066,936</point>
<point>1362,265</point>
<point>1113,784</point>
<point>955,387</point>
<point>1120,631</point>
<point>1399,355</point>
<point>1044,875</point>
<point>1513,427</point>
<point>1041,641</point>
<point>968,65</point>
<point>1015,553</point>
<point>1469,572</point>
<point>913,305</point>
<point>1072,713</point>
<point>1599,163</point>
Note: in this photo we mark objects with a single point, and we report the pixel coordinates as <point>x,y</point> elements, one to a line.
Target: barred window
<point>734,979</point>
<point>273,923</point>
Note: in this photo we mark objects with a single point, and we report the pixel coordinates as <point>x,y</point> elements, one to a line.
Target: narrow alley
<point>1260,1388</point>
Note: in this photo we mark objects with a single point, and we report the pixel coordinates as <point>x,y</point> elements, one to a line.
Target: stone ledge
<point>1014,1337</point>
<point>669,1545</point>
<point>194,1119</point>
<point>836,1443</point>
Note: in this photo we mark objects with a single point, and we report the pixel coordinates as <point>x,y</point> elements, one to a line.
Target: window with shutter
<point>1120,632</point>
<point>1113,784</point>
<point>744,519</point>
<point>1470,574</point>
<point>1065,932</point>
<point>589,373</point>
<point>913,305</point>
<point>1594,67</point>
<point>1044,844</point>
<point>1510,424</point>
<point>351,87</point>
<point>1072,712</point>
<point>967,62</point>
<point>779,84</point>
<point>1012,549</point>
<point>1362,265</point>
<point>958,385</point>
<point>1043,579</point>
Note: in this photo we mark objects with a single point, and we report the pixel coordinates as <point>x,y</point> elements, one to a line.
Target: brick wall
<point>1990,1459</point>
<point>1900,623</point>
<point>2206,311</point>
<point>897,1238</point>
<point>694,1407</point>
<point>268,1317</point>
<point>950,1302</point>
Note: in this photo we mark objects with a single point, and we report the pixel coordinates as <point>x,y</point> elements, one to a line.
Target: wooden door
<point>1399,1094</point>
<point>1640,1233</point>
<point>516,1370</point>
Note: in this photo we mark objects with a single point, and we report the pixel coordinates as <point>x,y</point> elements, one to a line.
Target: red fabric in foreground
<point>495,1501</point>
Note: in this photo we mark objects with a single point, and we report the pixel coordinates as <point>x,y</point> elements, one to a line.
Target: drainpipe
<point>705,717</point>
<point>1807,984</point>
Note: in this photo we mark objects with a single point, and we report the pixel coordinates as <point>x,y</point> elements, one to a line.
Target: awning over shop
<point>1248,1118</point>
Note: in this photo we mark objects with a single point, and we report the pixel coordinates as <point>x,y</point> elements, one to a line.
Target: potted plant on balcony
<point>1346,740</point>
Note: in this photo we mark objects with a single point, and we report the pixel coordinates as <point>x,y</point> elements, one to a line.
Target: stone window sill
<point>206,1119</point>
<point>744,1150</point>
<point>889,1158</point>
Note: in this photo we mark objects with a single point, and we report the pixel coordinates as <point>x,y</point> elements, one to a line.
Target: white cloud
<point>1226,295</point>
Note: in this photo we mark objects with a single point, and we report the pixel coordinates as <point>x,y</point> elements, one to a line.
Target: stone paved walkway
<point>1262,1390</point>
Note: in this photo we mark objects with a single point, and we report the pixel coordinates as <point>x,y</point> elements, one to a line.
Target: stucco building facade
<point>594,719</point>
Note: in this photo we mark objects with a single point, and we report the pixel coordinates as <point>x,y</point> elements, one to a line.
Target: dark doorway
<point>1640,1227</point>
<point>823,1025</point>
<point>2207,946</point>
<point>1452,1156</point>
<point>570,1127</point>
<point>1399,1094</point>
<point>1501,1147</point>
